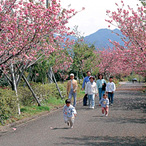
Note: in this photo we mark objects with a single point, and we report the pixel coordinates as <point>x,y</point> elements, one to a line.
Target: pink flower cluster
<point>62,64</point>
<point>29,30</point>
<point>132,25</point>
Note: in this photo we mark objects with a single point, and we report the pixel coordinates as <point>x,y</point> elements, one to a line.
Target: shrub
<point>45,91</point>
<point>25,96</point>
<point>42,91</point>
<point>116,81</point>
<point>3,82</point>
<point>8,104</point>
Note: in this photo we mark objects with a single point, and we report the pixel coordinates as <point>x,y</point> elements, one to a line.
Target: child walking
<point>69,113</point>
<point>110,89</point>
<point>104,103</point>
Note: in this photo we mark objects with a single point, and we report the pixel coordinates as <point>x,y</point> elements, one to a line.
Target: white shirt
<point>91,88</point>
<point>110,87</point>
<point>71,85</point>
<point>69,111</point>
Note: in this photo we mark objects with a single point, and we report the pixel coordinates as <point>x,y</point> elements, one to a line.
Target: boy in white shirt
<point>110,89</point>
<point>69,113</point>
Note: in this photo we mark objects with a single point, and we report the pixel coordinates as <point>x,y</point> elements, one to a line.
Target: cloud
<point>94,15</point>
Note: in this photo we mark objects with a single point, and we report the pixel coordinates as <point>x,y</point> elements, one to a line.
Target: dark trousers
<point>111,97</point>
<point>85,100</point>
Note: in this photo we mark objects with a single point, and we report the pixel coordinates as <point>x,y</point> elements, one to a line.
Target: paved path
<point>125,125</point>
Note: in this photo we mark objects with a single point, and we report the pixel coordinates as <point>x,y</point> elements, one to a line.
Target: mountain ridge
<point>101,38</point>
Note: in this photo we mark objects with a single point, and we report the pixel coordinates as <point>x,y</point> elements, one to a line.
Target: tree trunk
<point>28,77</point>
<point>50,75</point>
<point>56,84</point>
<point>39,104</point>
<point>14,87</point>
<point>79,76</point>
<point>82,74</point>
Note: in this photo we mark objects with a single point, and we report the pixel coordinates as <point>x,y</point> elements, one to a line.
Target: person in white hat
<point>72,86</point>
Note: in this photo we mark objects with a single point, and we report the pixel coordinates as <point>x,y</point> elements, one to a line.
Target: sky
<point>93,17</point>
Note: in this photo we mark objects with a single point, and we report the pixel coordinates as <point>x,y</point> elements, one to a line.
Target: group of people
<point>92,89</point>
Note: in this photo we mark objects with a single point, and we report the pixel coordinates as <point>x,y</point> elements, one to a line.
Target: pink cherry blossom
<point>32,30</point>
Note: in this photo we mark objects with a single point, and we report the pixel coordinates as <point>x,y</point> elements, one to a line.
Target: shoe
<point>106,115</point>
<point>92,107</point>
<point>111,104</point>
<point>71,127</point>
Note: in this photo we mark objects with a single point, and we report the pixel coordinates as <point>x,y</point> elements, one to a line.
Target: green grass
<point>48,105</point>
<point>81,94</point>
<point>45,106</point>
<point>55,101</point>
<point>34,109</point>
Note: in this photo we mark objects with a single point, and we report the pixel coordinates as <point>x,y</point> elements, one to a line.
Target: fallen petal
<point>14,129</point>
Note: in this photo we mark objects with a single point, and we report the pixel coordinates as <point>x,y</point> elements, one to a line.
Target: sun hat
<point>91,77</point>
<point>71,74</point>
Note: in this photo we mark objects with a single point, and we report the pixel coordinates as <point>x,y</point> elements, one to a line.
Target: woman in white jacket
<point>91,90</point>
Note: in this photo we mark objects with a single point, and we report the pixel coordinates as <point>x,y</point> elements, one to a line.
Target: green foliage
<point>133,75</point>
<point>48,94</point>
<point>41,69</point>
<point>53,101</point>
<point>83,57</point>
<point>38,72</point>
<point>3,82</point>
<point>47,105</point>
<point>43,91</point>
<point>8,104</point>
<point>43,108</point>
<point>48,90</point>
<point>31,110</point>
<point>25,96</point>
<point>143,2</point>
<point>116,81</point>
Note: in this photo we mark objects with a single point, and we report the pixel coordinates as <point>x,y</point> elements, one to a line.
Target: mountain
<point>101,38</point>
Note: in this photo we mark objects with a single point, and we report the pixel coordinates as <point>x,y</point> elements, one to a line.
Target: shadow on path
<point>104,141</point>
<point>131,101</point>
<point>63,128</point>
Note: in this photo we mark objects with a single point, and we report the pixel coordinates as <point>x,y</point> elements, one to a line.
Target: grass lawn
<point>50,104</point>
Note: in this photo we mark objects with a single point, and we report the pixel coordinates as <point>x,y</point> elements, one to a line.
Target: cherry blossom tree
<point>63,64</point>
<point>112,62</point>
<point>28,32</point>
<point>132,24</point>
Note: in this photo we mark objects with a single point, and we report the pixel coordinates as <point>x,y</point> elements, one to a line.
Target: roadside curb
<point>31,118</point>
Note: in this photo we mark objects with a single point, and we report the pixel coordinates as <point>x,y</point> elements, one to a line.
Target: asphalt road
<point>125,125</point>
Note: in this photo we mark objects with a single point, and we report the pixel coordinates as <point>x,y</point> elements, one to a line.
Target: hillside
<point>101,38</point>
